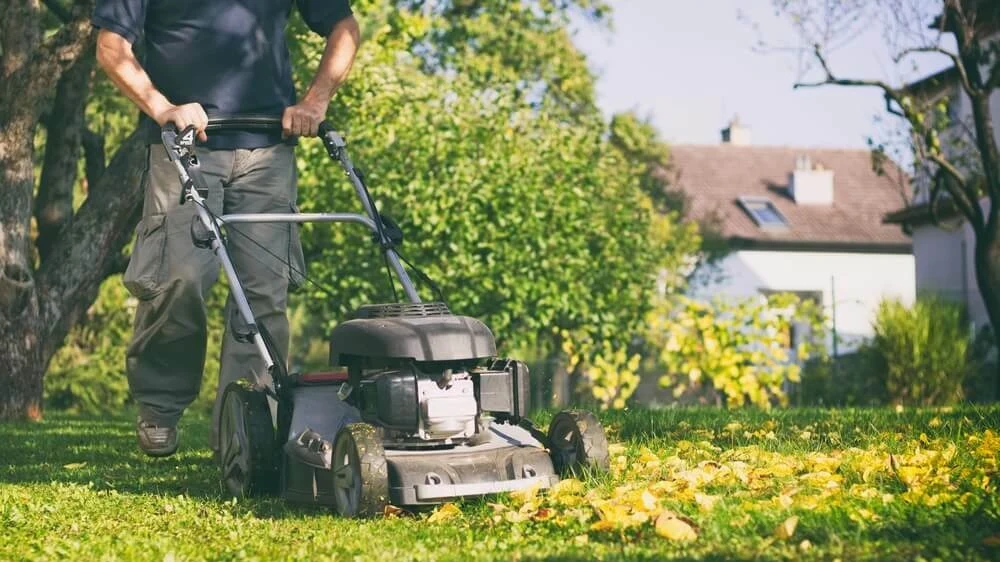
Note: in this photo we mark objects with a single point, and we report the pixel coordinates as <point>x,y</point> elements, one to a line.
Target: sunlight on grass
<point>696,484</point>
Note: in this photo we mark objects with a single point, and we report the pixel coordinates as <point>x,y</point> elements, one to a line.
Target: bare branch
<point>831,79</point>
<point>955,60</point>
<point>962,194</point>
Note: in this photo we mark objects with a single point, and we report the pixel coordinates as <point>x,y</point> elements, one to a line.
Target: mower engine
<point>410,404</point>
<point>445,405</point>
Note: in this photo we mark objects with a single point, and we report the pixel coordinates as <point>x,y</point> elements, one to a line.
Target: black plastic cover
<point>505,389</point>
<point>390,400</point>
<point>427,338</point>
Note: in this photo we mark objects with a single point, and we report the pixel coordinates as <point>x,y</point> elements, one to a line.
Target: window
<point>763,212</point>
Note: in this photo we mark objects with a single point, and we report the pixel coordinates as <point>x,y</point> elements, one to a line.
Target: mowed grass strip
<point>686,484</point>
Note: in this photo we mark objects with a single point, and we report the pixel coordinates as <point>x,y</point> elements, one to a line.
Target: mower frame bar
<point>180,150</point>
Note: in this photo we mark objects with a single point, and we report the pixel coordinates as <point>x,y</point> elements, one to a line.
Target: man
<point>222,57</point>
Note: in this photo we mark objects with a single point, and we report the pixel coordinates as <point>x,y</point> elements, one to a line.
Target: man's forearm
<point>114,54</point>
<point>338,57</point>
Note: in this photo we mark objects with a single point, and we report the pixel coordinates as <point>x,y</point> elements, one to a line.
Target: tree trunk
<point>67,283</point>
<point>987,258</point>
<point>38,307</point>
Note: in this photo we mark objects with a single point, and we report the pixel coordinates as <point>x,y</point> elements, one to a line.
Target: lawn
<point>687,484</point>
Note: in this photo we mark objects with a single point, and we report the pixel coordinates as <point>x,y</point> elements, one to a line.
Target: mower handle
<point>264,123</point>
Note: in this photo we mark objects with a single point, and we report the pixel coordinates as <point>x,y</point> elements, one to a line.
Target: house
<point>800,220</point>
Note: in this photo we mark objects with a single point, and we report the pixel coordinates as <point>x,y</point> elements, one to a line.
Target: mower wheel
<point>577,441</point>
<point>246,441</point>
<point>360,472</point>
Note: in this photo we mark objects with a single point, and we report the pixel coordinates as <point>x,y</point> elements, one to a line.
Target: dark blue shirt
<point>228,55</point>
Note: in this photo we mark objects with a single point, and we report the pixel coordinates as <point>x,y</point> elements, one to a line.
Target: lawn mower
<point>417,407</point>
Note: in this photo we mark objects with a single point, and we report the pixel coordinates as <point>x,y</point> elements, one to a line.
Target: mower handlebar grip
<point>325,127</point>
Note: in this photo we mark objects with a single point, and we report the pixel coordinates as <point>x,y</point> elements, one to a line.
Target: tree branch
<point>64,125</point>
<point>58,10</point>
<point>955,60</point>
<point>962,194</point>
<point>831,79</point>
<point>93,154</point>
<point>92,244</point>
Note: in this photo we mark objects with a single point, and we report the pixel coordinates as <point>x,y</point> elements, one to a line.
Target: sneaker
<point>154,440</point>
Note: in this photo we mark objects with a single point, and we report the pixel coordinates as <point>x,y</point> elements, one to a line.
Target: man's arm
<point>114,54</point>
<point>303,118</point>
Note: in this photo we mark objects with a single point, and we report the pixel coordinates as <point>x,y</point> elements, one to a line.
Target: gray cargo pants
<point>171,277</point>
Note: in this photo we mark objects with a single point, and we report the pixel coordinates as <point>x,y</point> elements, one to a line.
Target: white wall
<point>946,266</point>
<point>858,281</point>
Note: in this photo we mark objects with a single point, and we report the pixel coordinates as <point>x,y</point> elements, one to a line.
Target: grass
<point>76,488</point>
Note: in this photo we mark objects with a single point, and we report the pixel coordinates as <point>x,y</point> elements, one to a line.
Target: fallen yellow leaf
<point>527,494</point>
<point>445,512</point>
<point>392,511</point>
<point>670,526</point>
<point>787,528</point>
<point>705,501</point>
<point>567,486</point>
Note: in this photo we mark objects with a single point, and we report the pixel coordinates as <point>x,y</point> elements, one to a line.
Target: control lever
<point>180,151</point>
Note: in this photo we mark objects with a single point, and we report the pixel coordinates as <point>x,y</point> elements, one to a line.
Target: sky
<point>691,65</point>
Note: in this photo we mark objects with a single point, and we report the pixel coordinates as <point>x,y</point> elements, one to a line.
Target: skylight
<point>763,212</point>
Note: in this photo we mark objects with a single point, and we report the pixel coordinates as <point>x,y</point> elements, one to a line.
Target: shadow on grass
<point>102,452</point>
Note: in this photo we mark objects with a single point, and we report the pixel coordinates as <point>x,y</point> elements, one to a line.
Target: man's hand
<point>183,115</point>
<point>303,118</point>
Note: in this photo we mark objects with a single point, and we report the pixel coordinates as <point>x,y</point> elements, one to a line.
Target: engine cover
<point>422,332</point>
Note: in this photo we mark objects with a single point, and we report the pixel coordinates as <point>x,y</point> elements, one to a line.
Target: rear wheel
<point>246,441</point>
<point>360,472</point>
<point>577,441</point>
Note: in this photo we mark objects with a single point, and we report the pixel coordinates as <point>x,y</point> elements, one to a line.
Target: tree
<point>47,281</point>
<point>476,122</point>
<point>962,162</point>
<point>513,192</point>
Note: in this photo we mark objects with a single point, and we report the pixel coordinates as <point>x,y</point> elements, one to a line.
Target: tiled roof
<point>715,176</point>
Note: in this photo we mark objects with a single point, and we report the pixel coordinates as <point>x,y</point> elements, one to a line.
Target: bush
<point>856,379</point>
<point>922,350</point>
<point>742,349</point>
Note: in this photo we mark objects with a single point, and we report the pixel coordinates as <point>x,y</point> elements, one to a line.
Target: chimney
<point>736,134</point>
<point>810,184</point>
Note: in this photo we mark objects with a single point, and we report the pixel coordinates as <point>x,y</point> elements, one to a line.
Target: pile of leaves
<point>784,496</point>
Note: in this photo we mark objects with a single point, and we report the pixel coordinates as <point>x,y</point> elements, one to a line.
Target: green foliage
<point>88,373</point>
<point>922,349</point>
<point>741,348</point>
<point>856,379</point>
<point>525,214</point>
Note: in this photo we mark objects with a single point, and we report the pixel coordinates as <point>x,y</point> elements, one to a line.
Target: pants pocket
<point>144,276</point>
<point>296,257</point>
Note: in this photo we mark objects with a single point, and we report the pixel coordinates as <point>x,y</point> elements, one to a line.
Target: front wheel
<point>360,472</point>
<point>577,442</point>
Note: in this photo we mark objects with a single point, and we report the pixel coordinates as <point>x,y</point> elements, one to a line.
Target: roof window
<point>763,212</point>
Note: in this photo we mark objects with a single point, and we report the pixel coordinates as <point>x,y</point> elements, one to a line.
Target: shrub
<point>856,379</point>
<point>740,348</point>
<point>922,350</point>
